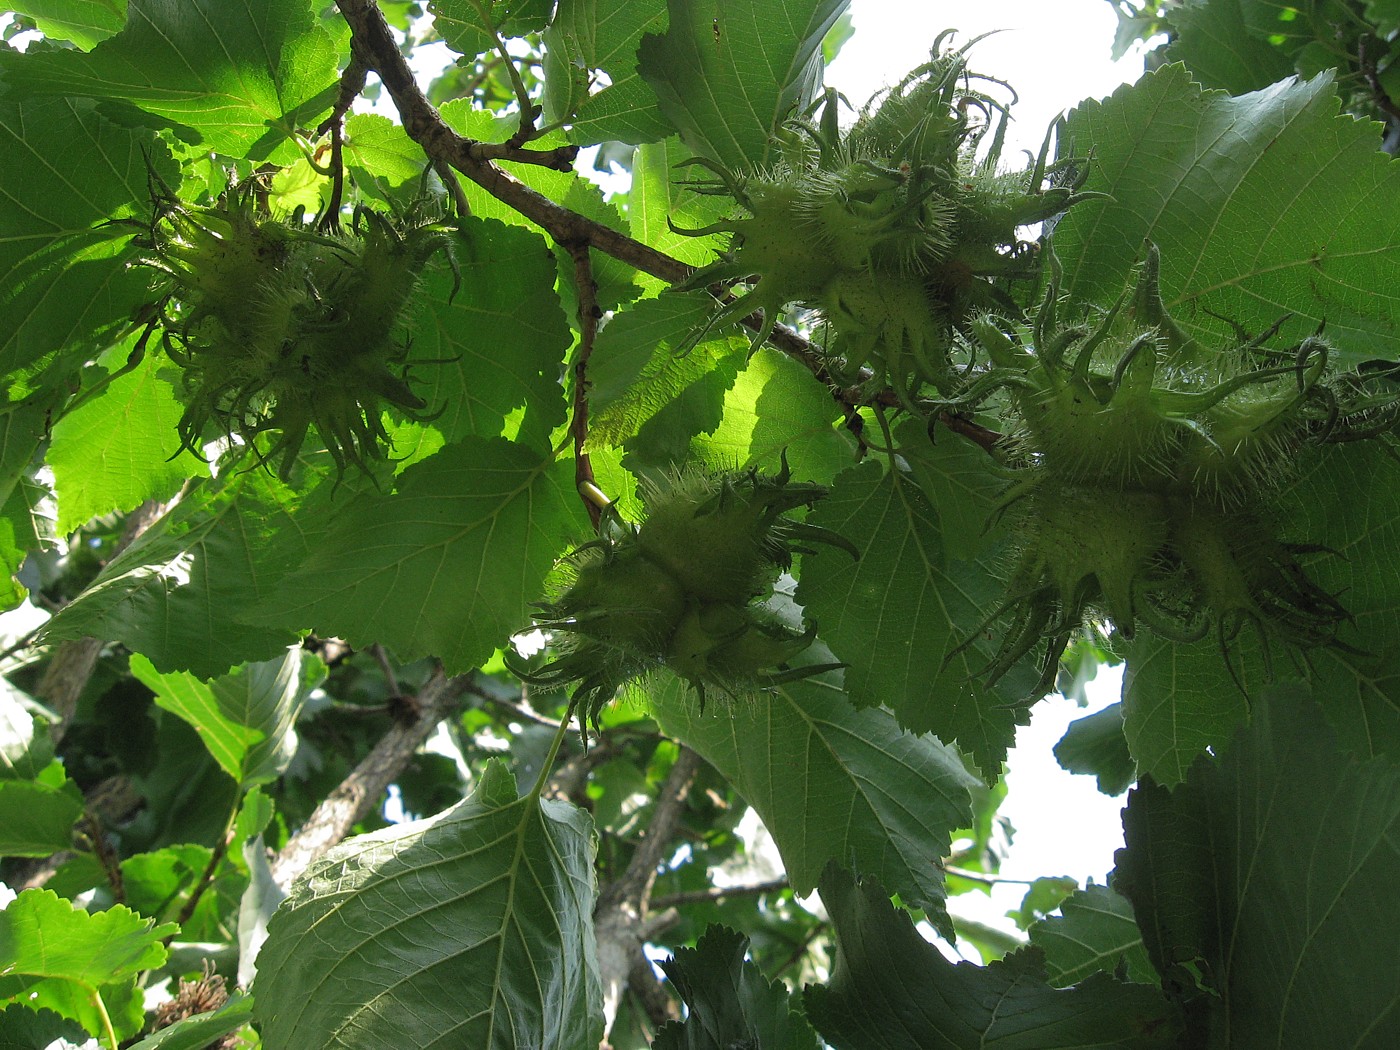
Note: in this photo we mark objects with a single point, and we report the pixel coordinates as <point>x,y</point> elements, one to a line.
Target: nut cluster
<point>279,329</point>
<point>685,590</point>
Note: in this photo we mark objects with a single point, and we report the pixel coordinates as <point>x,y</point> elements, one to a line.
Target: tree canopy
<point>356,453</point>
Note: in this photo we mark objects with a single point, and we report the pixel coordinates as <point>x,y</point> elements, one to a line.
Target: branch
<point>651,994</point>
<point>375,46</point>
<point>622,919</point>
<point>361,790</point>
<point>352,82</point>
<point>74,661</point>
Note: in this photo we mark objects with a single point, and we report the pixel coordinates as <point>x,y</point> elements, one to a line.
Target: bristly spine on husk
<point>280,330</point>
<point>1145,473</point>
<point>896,230</point>
<point>684,590</point>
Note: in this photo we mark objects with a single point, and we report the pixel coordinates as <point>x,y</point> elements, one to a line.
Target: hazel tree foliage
<point>421,566</point>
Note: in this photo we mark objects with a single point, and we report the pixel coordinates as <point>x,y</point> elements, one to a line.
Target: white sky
<point>1053,52</point>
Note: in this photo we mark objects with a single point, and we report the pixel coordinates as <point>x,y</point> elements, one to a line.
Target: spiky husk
<point>684,590</point>
<point>909,202</point>
<point>1145,468</point>
<point>280,330</point>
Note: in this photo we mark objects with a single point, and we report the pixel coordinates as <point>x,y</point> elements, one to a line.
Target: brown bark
<point>362,789</point>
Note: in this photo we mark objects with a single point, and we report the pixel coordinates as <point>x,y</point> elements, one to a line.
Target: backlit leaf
<point>238,78</point>
<point>730,72</point>
<point>447,565</point>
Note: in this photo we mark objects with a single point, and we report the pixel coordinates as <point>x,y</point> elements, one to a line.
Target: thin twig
<point>803,947</point>
<point>90,824</point>
<point>206,879</point>
<point>588,316</point>
<point>382,658</point>
<point>525,129</point>
<point>352,82</point>
<point>985,879</point>
<point>376,47</point>
<point>1379,95</point>
<point>718,893</point>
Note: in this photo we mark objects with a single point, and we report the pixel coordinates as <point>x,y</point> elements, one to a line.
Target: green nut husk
<point>685,591</point>
<point>281,331</point>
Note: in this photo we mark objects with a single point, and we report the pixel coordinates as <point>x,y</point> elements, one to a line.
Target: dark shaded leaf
<point>493,950</point>
<point>730,1003</point>
<point>1265,878</point>
<point>892,990</point>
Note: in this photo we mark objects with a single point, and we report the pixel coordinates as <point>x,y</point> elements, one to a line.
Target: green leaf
<point>1384,15</point>
<point>626,110</point>
<point>172,594</point>
<point>62,958</point>
<point>566,188</point>
<point>1270,878</point>
<point>497,345</point>
<point>26,526</point>
<point>23,427</point>
<point>24,1029</point>
<point>1095,745</point>
<point>233,78</point>
<point>730,1003</point>
<point>470,26</point>
<point>833,783</point>
<point>777,408</point>
<point>120,448</point>
<point>246,718</point>
<point>157,883</point>
<point>1180,701</point>
<point>26,747</point>
<point>258,904</point>
<point>1361,690</point>
<point>445,566</point>
<point>899,615</point>
<point>583,39</point>
<point>660,204</point>
<point>493,949</point>
<point>728,73</point>
<point>1042,897</point>
<point>380,149</point>
<point>1264,206</point>
<point>892,990</point>
<point>202,1030</point>
<point>83,22</point>
<point>36,819</point>
<point>1216,43</point>
<point>64,171</point>
<point>958,479</point>
<point>639,365</point>
<point>1095,931</point>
